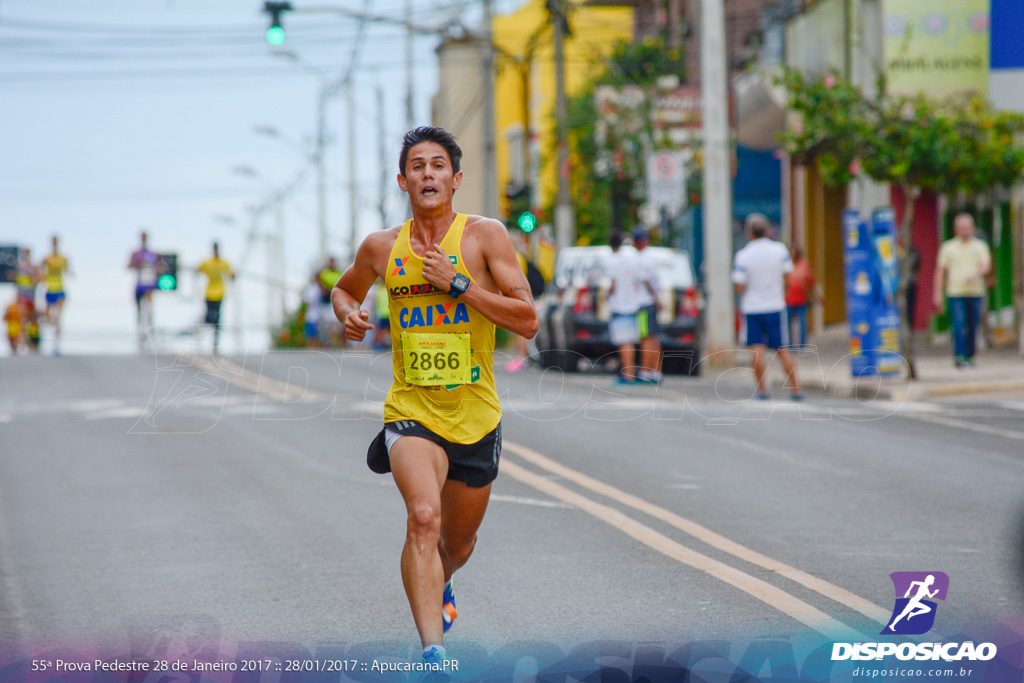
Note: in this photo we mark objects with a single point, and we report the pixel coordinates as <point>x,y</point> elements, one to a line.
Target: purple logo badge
<point>914,612</point>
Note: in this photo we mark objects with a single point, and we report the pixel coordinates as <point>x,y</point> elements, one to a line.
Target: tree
<point>953,146</point>
<point>611,133</point>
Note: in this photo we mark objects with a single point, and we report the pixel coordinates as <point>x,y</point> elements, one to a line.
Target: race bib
<point>436,359</point>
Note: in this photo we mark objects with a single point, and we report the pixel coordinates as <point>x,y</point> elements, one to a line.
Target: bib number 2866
<point>436,359</point>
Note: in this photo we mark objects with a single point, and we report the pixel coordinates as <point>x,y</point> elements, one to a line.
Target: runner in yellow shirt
<point>450,279</point>
<point>216,270</point>
<point>55,266</point>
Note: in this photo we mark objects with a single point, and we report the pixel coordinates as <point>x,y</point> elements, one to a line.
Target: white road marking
<point>532,501</point>
<point>704,534</point>
<point>767,593</point>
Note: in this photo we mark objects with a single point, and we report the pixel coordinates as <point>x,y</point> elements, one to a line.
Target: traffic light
<point>519,213</point>
<point>526,221</point>
<point>168,269</point>
<point>275,34</point>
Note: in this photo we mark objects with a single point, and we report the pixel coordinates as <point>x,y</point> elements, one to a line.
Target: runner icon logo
<point>916,592</point>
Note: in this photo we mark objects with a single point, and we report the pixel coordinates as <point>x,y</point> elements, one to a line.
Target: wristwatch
<point>460,283</point>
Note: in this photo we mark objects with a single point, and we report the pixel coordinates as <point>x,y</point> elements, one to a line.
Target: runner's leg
<point>462,511</point>
<point>420,467</point>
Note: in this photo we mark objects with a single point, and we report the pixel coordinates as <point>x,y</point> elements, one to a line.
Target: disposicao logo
<point>916,592</point>
<point>913,615</point>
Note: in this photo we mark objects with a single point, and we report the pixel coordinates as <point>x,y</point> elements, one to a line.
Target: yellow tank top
<point>462,413</point>
<point>54,267</point>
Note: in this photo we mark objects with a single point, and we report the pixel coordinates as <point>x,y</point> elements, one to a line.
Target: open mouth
<point>428,191</point>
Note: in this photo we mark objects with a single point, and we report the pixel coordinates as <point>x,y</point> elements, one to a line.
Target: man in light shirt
<point>624,301</point>
<point>964,263</point>
<point>760,270</point>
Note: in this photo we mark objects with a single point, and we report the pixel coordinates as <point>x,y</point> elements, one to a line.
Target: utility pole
<point>490,166</point>
<point>353,237</point>
<point>410,115</point>
<point>717,192</point>
<point>321,171</point>
<point>382,154</point>
<point>565,229</point>
<point>281,267</point>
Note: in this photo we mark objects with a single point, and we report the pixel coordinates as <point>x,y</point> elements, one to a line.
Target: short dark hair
<point>758,225</point>
<point>615,241</point>
<point>430,134</point>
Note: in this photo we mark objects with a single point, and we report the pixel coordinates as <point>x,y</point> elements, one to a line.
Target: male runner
<point>215,269</point>
<point>146,264</point>
<point>451,278</point>
<point>54,267</point>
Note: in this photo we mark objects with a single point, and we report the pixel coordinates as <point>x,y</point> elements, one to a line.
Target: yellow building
<point>524,86</point>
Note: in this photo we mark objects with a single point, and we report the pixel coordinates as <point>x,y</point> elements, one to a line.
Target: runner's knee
<point>458,550</point>
<point>425,520</point>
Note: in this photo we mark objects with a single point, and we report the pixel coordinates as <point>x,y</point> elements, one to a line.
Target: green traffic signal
<point>275,35</point>
<point>526,221</point>
<point>167,283</point>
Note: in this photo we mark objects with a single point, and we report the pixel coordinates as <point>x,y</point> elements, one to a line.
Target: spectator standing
<point>625,271</point>
<point>647,316</point>
<point>963,265</point>
<point>799,293</point>
<point>760,271</point>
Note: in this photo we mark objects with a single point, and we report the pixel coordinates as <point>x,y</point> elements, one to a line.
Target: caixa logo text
<point>949,652</point>
<point>428,316</point>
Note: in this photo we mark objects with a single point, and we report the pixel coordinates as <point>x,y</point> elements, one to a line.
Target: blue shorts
<point>310,329</point>
<point>767,329</point>
<point>54,297</point>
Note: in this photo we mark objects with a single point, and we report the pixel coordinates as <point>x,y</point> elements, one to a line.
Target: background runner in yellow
<point>464,413</point>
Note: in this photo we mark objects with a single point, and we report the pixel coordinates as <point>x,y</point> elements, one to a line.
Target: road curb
<point>903,390</point>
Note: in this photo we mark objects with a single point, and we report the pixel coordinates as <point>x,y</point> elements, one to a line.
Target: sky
<point>118,116</point>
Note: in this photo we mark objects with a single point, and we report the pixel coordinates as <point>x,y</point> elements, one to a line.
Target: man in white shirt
<point>759,273</point>
<point>624,300</point>
<point>647,316</point>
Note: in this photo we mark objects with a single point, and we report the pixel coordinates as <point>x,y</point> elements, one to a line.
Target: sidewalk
<point>826,367</point>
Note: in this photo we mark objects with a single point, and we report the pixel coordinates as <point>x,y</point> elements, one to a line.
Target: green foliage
<point>642,63</point>
<point>609,141</point>
<point>292,334</point>
<point>950,146</point>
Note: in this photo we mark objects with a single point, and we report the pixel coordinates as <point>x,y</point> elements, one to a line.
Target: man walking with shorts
<point>451,278</point>
<point>759,273</point>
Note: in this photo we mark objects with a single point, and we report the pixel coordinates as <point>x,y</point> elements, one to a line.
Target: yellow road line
<point>840,595</point>
<point>784,602</point>
<point>767,593</point>
<point>257,382</point>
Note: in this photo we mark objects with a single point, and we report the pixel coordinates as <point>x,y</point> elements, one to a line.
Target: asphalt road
<point>159,504</point>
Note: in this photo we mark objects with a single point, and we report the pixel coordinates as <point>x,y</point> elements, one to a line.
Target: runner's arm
<point>511,309</point>
<point>351,288</point>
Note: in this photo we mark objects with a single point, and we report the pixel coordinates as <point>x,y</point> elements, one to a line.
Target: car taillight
<point>584,301</point>
<point>689,305</point>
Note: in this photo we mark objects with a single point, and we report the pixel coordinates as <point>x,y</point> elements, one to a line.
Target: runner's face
<point>429,178</point>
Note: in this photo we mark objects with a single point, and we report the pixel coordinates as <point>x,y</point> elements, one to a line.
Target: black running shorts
<point>475,464</point>
<point>213,313</point>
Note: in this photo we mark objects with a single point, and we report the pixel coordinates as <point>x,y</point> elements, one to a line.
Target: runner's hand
<point>438,269</point>
<point>356,325</point>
